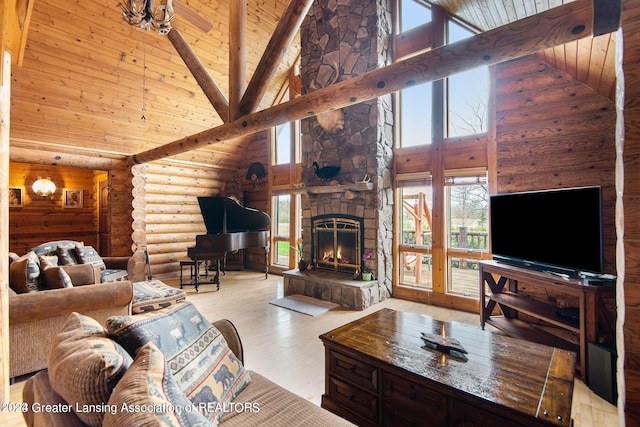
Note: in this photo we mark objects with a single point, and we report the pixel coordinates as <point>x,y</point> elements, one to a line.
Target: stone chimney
<point>342,39</point>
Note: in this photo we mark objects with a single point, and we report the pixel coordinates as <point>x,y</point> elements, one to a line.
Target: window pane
<point>468,233</point>
<point>281,229</point>
<point>416,270</point>
<point>413,15</point>
<point>468,99</point>
<point>416,215</point>
<point>282,253</point>
<point>283,144</point>
<point>415,122</point>
<point>416,231</point>
<point>456,32</point>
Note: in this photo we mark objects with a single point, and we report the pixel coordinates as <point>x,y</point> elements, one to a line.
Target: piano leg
<point>266,262</point>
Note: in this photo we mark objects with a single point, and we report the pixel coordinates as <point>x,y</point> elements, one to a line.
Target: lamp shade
<point>44,186</point>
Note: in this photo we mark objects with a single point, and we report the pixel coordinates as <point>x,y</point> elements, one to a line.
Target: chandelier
<point>140,14</point>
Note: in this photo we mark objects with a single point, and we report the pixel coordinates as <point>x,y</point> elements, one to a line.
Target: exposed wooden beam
<point>15,18</point>
<point>237,55</point>
<point>206,83</point>
<point>553,27</point>
<point>282,36</point>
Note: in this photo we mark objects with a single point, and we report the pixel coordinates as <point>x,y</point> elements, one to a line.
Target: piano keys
<point>230,227</point>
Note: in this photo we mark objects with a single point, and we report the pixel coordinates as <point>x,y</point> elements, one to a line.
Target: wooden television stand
<point>502,282</point>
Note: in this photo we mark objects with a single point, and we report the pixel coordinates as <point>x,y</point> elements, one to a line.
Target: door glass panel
<point>415,249</point>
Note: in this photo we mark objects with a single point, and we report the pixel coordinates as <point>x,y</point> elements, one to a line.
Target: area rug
<point>304,304</point>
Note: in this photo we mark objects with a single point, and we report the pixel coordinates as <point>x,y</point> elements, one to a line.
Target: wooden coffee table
<point>380,372</point>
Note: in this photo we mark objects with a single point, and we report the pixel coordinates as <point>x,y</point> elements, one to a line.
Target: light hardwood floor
<point>283,345</point>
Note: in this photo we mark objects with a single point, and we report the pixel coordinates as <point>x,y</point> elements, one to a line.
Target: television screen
<point>556,230</point>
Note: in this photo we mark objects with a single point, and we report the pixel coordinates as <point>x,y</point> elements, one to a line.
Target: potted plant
<point>299,248</point>
<point>366,274</point>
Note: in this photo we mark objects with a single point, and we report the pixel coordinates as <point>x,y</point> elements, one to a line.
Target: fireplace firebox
<point>337,243</point>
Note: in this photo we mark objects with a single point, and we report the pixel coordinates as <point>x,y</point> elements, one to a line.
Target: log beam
<point>237,55</point>
<point>286,29</point>
<point>557,26</point>
<point>206,83</point>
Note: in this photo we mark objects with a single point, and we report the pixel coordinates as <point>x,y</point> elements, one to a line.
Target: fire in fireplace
<point>337,243</point>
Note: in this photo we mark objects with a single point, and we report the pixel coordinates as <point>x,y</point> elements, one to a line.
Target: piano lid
<point>216,209</point>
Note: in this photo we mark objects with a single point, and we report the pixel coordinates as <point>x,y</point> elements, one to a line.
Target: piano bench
<point>194,271</point>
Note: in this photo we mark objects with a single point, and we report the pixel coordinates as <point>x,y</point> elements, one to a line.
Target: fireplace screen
<point>337,244</point>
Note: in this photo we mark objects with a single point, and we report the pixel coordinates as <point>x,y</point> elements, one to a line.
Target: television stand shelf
<point>499,291</point>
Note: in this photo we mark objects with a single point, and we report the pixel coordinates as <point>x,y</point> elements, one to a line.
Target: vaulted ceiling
<point>87,78</point>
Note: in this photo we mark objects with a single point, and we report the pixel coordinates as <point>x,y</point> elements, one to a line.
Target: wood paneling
<point>42,219</point>
<point>554,132</point>
<point>630,177</point>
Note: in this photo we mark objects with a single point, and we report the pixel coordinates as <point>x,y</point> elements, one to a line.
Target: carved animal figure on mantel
<point>327,172</point>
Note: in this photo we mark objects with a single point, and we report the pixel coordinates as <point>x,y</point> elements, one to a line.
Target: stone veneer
<point>335,287</point>
<point>342,39</point>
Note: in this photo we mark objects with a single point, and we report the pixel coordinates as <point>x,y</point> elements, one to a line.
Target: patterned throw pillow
<point>24,273</point>
<point>203,366</point>
<point>66,256</point>
<point>148,383</point>
<point>48,260</point>
<point>85,366</point>
<point>88,255</point>
<point>54,277</point>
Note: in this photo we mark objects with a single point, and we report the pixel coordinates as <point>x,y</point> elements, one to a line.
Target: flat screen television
<point>558,231</point>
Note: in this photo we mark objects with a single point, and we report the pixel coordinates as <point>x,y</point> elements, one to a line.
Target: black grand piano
<point>230,227</point>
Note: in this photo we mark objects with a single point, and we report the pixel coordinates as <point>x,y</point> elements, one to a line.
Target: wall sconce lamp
<point>44,186</point>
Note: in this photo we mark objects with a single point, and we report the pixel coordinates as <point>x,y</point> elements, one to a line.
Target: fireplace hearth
<point>337,243</point>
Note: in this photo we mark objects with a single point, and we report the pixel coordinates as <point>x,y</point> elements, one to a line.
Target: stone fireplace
<point>340,40</point>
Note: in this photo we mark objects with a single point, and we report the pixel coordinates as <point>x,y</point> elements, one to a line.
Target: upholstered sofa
<point>35,317</point>
<point>169,367</point>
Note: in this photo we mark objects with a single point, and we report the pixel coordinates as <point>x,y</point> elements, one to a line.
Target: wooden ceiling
<point>86,74</point>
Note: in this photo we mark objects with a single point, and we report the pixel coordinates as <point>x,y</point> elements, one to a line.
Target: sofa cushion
<point>88,255</point>
<point>113,275</point>
<point>66,256</point>
<point>24,273</point>
<point>85,365</point>
<point>148,383</point>
<point>153,295</point>
<point>264,403</point>
<point>203,366</point>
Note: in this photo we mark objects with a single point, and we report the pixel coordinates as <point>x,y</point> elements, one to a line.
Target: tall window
<point>467,94</point>
<point>443,230</point>
<point>468,234</point>
<point>281,220</point>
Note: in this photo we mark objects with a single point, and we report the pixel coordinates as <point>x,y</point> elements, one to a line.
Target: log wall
<point>629,174</point>
<point>554,132</point>
<point>166,204</point>
<point>42,219</point>
<point>257,197</point>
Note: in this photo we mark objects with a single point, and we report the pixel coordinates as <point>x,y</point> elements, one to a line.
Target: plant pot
<point>366,276</point>
<point>302,265</point>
